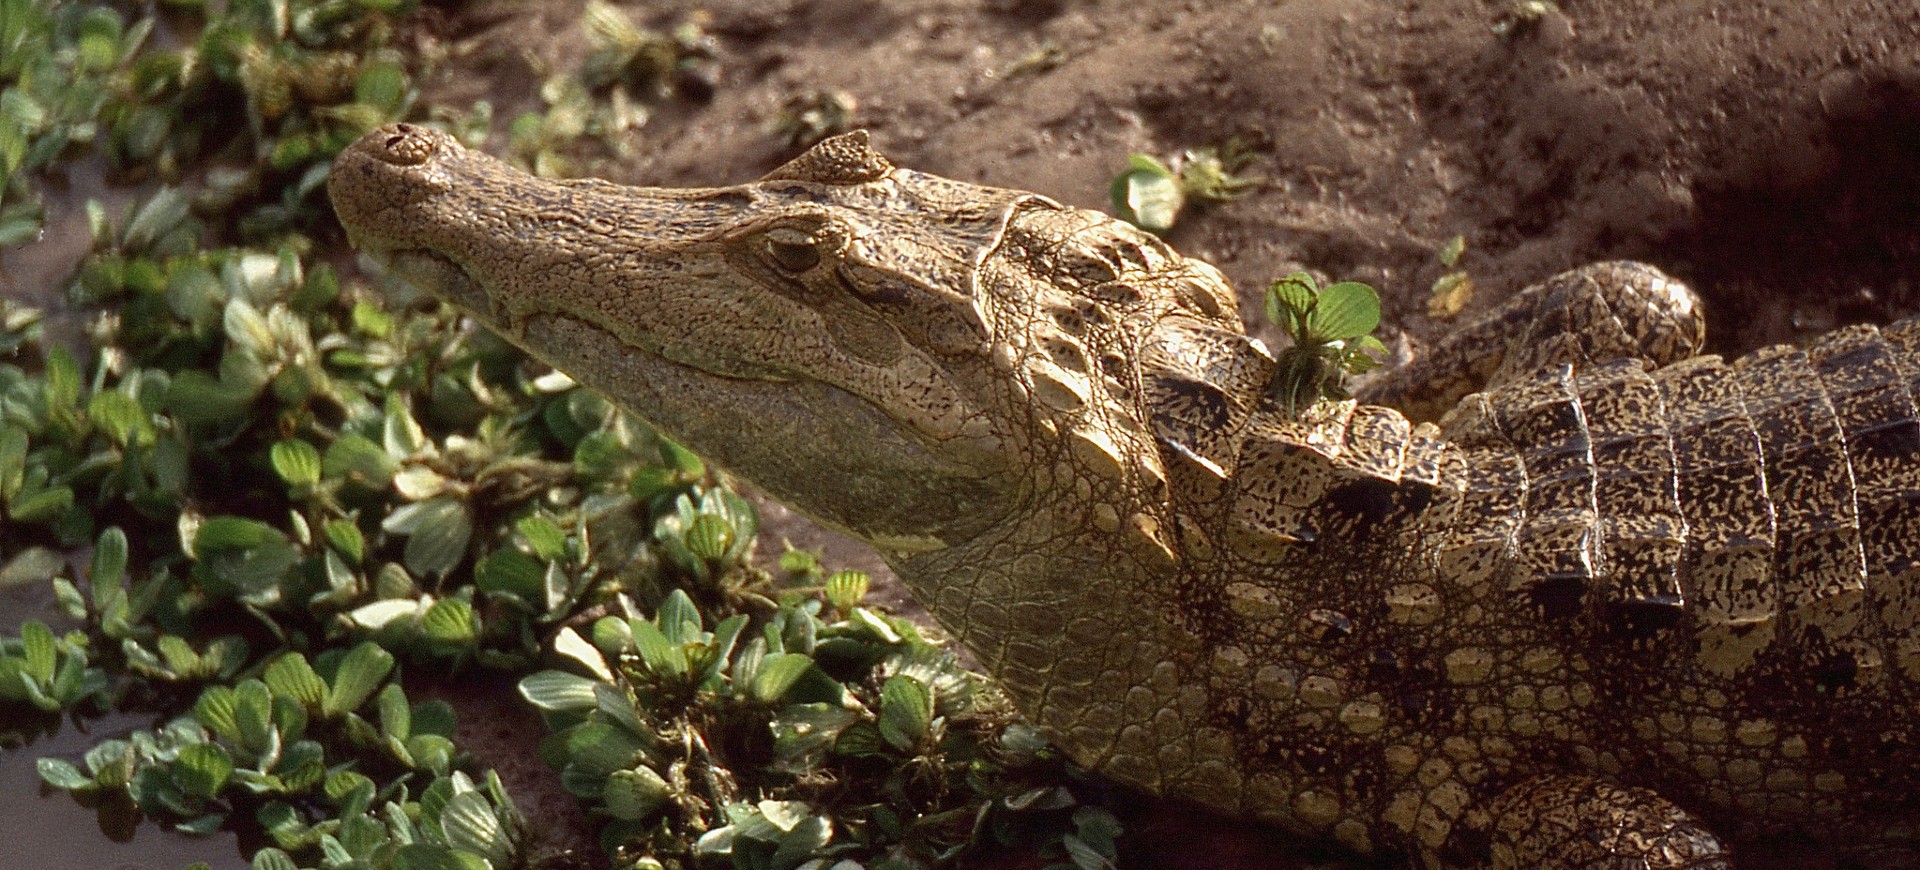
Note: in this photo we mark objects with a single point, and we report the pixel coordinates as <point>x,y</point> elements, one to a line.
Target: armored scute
<point>1607,601</point>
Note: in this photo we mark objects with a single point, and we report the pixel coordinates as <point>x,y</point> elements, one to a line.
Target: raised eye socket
<point>792,256</point>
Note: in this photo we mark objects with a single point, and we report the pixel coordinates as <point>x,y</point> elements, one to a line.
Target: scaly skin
<point>1624,597</point>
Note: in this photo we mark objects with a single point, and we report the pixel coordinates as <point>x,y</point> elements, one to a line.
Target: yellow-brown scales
<point>1624,596</point>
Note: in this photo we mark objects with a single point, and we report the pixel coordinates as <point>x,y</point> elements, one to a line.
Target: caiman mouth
<point>437,274</point>
<point>442,277</point>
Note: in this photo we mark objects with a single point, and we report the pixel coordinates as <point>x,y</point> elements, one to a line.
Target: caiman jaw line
<point>1615,578</point>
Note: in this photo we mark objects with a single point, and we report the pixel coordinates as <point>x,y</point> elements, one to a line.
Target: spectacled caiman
<point>1621,604</point>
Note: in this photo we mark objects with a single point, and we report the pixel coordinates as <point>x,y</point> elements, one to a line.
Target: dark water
<point>45,829</point>
<point>42,828</point>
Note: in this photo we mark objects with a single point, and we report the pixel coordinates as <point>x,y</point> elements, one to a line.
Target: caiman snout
<point>379,178</point>
<point>403,144</point>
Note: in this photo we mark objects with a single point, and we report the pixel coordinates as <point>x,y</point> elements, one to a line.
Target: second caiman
<point>1622,604</point>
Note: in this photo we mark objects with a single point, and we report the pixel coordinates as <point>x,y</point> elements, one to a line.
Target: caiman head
<point>909,358</point>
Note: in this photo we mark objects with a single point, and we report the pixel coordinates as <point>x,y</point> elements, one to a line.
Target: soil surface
<point>1766,152</point>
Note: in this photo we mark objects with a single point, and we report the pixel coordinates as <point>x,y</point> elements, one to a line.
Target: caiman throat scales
<point>1621,600</point>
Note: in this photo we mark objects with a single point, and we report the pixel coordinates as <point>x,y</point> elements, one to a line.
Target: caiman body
<point>1619,599</point>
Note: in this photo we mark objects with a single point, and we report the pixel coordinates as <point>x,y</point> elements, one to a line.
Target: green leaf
<point>74,605</point>
<point>634,794</point>
<point>224,656</point>
<point>803,732</point>
<point>43,506</point>
<point>452,621</point>
<point>470,825</point>
<point>63,380</point>
<point>296,461</point>
<point>120,416</point>
<point>346,538</point>
<point>284,824</point>
<point>253,714</point>
<point>359,461</point>
<point>361,672</point>
<point>678,619</point>
<point>377,615</point>
<point>709,537</point>
<point>661,656</point>
<point>13,461</point>
<point>439,539</point>
<point>558,691</point>
<point>570,644</point>
<point>680,459</point>
<point>199,398</point>
<point>401,434</point>
<point>244,559</point>
<point>1288,301</point>
<point>382,85</point>
<point>597,749</point>
<point>180,657</point>
<point>433,717</point>
<point>1450,252</point>
<point>63,774</point>
<point>546,539</point>
<point>1147,194</point>
<point>1344,311</point>
<point>426,856</point>
<point>396,717</point>
<point>221,533</point>
<point>777,673</point>
<point>511,572</point>
<point>273,859</point>
<point>109,561</point>
<point>112,763</point>
<point>247,328</point>
<point>166,209</point>
<point>217,709</point>
<point>906,712</point>
<point>292,676</point>
<point>806,837</point>
<point>205,824</point>
<point>874,624</point>
<point>202,769</point>
<point>612,636</point>
<point>801,562</point>
<point>37,647</point>
<point>431,752</point>
<point>844,589</point>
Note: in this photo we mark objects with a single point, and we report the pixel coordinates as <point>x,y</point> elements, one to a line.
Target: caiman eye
<point>792,256</point>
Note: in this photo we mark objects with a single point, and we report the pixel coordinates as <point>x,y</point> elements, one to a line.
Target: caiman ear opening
<point>843,159</point>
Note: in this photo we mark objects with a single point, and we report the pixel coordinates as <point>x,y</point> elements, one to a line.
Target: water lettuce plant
<point>271,487</point>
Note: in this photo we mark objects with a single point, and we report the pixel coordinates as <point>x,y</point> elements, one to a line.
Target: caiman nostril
<point>407,146</point>
<point>1618,569</point>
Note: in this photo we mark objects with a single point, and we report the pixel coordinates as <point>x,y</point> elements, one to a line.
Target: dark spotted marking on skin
<point>1582,590</point>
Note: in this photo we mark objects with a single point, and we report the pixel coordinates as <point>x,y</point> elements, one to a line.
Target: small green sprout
<point>1150,193</point>
<point>1452,291</point>
<point>47,671</point>
<point>1331,330</point>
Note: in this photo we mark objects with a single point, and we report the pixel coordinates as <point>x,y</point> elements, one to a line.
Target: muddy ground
<point>1766,152</point>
